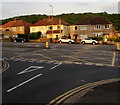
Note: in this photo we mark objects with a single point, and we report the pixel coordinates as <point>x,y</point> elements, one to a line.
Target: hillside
<point>71,18</point>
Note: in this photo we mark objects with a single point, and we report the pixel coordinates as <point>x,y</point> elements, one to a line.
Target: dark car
<point>19,40</point>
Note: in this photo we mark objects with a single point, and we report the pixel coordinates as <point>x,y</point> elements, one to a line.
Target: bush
<point>117,40</point>
<point>36,35</point>
<point>111,38</point>
<point>96,38</point>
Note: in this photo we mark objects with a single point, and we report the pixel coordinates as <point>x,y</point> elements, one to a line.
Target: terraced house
<point>15,27</point>
<point>91,26</point>
<point>51,27</point>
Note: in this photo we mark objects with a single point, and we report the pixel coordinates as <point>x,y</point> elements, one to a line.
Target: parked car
<point>19,40</point>
<point>89,41</point>
<point>66,40</point>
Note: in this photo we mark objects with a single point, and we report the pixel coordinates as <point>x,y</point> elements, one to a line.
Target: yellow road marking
<point>75,90</point>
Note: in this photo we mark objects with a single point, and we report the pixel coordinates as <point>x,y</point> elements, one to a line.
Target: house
<point>91,26</point>
<point>15,27</point>
<point>51,27</point>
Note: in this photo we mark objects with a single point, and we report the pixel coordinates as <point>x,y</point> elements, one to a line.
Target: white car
<point>89,41</point>
<point>66,40</point>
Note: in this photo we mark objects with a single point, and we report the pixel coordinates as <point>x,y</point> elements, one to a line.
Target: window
<point>58,27</point>
<point>14,29</point>
<point>33,29</point>
<point>7,29</point>
<point>21,29</point>
<point>106,26</point>
<point>97,27</point>
<point>67,27</point>
<point>50,27</point>
<point>83,27</point>
<point>75,27</point>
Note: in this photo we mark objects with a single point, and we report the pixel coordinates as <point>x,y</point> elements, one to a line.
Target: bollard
<point>118,47</point>
<point>47,44</point>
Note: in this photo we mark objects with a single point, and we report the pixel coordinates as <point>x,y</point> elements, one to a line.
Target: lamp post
<point>52,19</point>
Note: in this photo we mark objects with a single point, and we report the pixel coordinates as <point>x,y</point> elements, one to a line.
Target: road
<point>38,75</point>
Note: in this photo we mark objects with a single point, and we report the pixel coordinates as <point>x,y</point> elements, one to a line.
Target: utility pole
<point>52,19</point>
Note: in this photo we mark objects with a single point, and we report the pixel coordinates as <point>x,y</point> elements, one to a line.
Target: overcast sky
<point>11,8</point>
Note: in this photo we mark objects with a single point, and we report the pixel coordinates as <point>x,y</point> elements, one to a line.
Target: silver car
<point>66,40</point>
<point>89,41</point>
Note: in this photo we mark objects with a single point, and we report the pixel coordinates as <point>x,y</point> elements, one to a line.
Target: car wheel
<point>93,43</point>
<point>70,42</point>
<point>83,42</point>
<point>60,41</point>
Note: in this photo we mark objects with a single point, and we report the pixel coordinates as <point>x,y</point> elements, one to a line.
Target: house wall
<point>34,29</point>
<point>44,29</point>
<point>89,30</point>
<point>9,31</point>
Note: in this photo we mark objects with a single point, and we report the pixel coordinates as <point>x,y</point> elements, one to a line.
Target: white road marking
<point>9,90</point>
<point>89,63</point>
<point>49,62</point>
<point>22,60</point>
<point>113,59</point>
<point>31,61</point>
<point>18,53</point>
<point>56,66</point>
<point>30,69</point>
<point>78,63</point>
<point>99,64</point>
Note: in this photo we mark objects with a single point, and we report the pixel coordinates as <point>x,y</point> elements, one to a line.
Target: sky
<point>12,8</point>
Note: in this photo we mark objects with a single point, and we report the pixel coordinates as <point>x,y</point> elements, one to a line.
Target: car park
<point>66,40</point>
<point>89,41</point>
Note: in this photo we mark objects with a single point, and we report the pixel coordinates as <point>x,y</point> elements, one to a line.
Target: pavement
<point>108,93</point>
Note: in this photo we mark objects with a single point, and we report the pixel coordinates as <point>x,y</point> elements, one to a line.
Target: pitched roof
<point>92,21</point>
<point>16,23</point>
<point>48,21</point>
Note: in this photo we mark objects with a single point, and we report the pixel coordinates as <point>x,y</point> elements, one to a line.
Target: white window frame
<point>108,26</point>
<point>14,29</point>
<point>97,27</point>
<point>33,29</point>
<point>21,29</point>
<point>75,28</point>
<point>83,27</point>
<point>50,28</point>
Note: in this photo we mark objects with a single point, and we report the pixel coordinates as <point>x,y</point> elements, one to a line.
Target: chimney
<point>15,19</point>
<point>49,17</point>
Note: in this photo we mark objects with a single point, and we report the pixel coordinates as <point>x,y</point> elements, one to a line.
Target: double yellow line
<point>66,95</point>
<point>5,65</point>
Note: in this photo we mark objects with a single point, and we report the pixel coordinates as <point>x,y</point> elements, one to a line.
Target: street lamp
<point>52,18</point>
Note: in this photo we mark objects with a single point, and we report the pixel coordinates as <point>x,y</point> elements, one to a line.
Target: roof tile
<point>16,23</point>
<point>92,21</point>
<point>48,21</point>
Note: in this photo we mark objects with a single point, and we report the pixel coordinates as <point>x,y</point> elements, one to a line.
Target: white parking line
<point>9,90</point>
<point>56,66</point>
